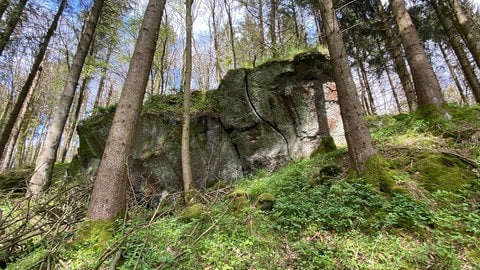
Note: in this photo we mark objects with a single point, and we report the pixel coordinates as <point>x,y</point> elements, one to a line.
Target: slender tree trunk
<point>12,117</point>
<point>457,46</point>
<point>186,165</point>
<point>327,143</point>
<point>453,73</point>
<point>228,9</point>
<point>76,115</point>
<point>272,28</point>
<point>469,34</point>
<point>3,7</point>
<point>12,21</point>
<point>101,84</point>
<point>390,81</point>
<point>318,26</point>
<point>216,42</point>
<point>363,95</point>
<point>295,21</point>
<point>46,158</point>
<point>394,49</point>
<point>359,142</point>
<point>108,197</point>
<point>261,24</point>
<point>163,56</point>
<point>15,131</point>
<point>368,89</point>
<point>426,84</point>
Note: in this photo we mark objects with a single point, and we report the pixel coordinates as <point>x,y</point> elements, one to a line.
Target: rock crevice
<point>267,116</point>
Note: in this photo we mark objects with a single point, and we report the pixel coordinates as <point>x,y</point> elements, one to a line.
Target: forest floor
<point>311,214</point>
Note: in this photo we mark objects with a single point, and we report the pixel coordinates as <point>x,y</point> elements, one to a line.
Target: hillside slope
<point>311,214</point>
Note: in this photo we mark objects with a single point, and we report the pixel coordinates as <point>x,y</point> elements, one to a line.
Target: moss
<point>325,176</point>
<point>95,234</point>
<point>238,201</point>
<point>195,211</point>
<point>396,189</point>
<point>265,201</point>
<point>326,145</point>
<point>29,262</point>
<point>436,171</point>
<point>377,173</point>
<point>92,239</point>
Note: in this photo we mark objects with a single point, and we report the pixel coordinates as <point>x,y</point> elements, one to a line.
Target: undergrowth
<point>320,219</point>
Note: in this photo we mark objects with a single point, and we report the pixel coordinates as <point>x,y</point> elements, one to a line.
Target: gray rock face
<point>268,116</point>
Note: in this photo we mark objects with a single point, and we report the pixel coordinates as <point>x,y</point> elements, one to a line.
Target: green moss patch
<point>193,212</point>
<point>377,173</point>
<point>326,145</point>
<point>438,171</point>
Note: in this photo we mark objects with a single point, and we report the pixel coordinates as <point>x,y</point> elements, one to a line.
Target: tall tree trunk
<point>163,57</point>
<point>46,158</point>
<point>327,144</point>
<point>228,9</point>
<point>359,142</point>
<point>12,117</point>
<point>363,95</point>
<point>186,165</point>
<point>469,34</point>
<point>76,115</point>
<point>15,131</point>
<point>101,84</point>
<point>3,7</point>
<point>216,42</point>
<point>368,89</point>
<point>395,51</point>
<point>261,24</point>
<point>453,73</point>
<point>272,18</point>
<point>426,84</point>
<point>457,46</point>
<point>383,62</point>
<point>108,197</point>
<point>12,21</point>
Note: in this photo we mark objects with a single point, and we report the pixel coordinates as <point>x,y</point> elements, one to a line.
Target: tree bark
<point>108,197</point>
<point>101,84</point>
<point>186,165</point>
<point>76,115</point>
<point>453,73</point>
<point>390,81</point>
<point>272,28</point>
<point>457,46</point>
<point>231,32</point>
<point>12,21</point>
<point>3,7</point>
<point>46,158</point>
<point>12,117</point>
<point>395,51</point>
<point>15,131</point>
<point>469,34</point>
<point>426,84</point>
<point>261,23</point>
<point>357,135</point>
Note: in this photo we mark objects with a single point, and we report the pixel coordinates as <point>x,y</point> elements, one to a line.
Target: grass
<point>321,218</point>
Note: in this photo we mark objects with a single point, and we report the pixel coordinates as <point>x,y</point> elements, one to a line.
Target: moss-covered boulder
<point>265,201</point>
<point>258,118</point>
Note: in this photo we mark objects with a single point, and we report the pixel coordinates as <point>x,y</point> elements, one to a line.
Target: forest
<point>240,134</point>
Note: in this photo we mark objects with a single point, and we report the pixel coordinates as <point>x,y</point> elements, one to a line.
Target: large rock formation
<point>264,117</point>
